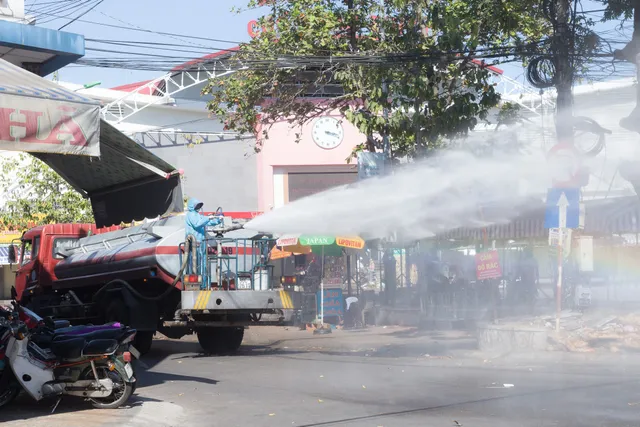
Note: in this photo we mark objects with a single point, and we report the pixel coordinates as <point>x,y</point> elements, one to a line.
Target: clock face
<point>327,132</point>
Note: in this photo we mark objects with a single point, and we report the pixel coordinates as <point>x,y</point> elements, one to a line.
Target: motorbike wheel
<point>122,390</point>
<point>10,392</point>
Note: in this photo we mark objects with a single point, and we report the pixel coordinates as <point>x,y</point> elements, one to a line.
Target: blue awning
<point>37,49</point>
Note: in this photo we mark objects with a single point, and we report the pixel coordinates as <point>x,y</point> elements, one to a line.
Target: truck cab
<point>38,252</point>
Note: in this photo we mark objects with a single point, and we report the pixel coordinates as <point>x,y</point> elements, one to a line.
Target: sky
<point>200,18</point>
<point>211,19</point>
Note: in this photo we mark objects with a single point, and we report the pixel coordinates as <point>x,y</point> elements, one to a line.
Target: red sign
<point>488,265</point>
<point>253,28</point>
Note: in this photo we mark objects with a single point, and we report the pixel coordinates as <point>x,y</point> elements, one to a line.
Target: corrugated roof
<point>618,215</point>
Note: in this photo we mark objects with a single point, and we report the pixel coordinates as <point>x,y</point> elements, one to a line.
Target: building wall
<point>12,10</point>
<point>218,171</point>
<point>282,155</point>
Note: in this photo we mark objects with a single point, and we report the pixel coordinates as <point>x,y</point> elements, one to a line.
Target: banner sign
<point>488,265</point>
<point>37,115</point>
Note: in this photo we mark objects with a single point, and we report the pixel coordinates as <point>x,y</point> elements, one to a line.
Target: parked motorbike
<point>92,362</point>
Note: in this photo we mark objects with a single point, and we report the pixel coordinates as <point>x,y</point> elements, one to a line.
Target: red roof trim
<point>132,87</point>
<point>488,67</point>
<point>205,58</point>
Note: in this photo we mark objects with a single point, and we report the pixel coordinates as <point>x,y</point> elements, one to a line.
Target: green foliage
<point>34,194</point>
<point>618,9</point>
<point>444,96</point>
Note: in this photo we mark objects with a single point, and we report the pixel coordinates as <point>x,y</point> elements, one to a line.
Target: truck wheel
<point>211,340</point>
<point>117,312</point>
<point>233,339</point>
<point>143,341</point>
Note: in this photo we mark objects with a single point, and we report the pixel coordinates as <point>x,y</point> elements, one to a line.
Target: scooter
<point>83,361</point>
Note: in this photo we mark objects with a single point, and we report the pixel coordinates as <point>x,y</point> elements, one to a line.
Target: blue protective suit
<point>195,225</point>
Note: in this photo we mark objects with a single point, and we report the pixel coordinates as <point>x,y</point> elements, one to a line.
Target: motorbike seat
<point>59,324</point>
<point>85,329</point>
<point>67,347</point>
<point>100,347</point>
<point>104,334</point>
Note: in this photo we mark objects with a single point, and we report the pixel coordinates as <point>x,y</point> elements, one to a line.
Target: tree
<point>413,59</point>
<point>34,194</point>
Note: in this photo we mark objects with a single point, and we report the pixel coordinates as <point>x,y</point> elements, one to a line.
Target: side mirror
<point>14,293</point>
<point>12,254</point>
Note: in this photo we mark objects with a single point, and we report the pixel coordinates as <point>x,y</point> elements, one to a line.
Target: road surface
<point>382,377</point>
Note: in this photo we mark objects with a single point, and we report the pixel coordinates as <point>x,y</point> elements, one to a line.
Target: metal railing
<point>234,264</point>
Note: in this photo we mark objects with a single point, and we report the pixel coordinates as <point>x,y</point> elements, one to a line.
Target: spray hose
<point>191,243</point>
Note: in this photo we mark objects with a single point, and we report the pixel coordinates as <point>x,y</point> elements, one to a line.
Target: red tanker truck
<point>144,277</point>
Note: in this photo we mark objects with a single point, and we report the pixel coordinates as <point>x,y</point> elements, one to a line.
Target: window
<point>60,244</point>
<point>27,247</point>
<point>36,248</point>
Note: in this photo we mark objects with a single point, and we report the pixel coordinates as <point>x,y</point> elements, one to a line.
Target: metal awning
<point>124,181</point>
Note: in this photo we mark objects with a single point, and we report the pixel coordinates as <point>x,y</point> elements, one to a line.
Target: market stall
<point>333,267</point>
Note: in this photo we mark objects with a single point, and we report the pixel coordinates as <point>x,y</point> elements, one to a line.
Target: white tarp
<point>39,116</point>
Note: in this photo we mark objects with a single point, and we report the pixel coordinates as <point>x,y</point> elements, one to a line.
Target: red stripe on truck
<point>229,250</point>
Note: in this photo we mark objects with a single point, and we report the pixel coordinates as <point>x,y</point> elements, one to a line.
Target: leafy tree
<point>420,51</point>
<point>34,194</point>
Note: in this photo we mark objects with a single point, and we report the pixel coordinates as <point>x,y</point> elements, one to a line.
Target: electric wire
<point>98,3</point>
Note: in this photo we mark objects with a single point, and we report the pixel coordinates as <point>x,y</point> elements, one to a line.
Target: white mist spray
<point>419,200</point>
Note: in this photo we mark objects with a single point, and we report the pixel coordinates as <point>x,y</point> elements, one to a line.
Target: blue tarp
<point>4,255</point>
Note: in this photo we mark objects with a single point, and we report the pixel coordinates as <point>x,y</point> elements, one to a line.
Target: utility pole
<point>563,46</point>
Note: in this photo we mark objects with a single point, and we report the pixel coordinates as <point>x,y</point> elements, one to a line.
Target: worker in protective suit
<point>195,225</point>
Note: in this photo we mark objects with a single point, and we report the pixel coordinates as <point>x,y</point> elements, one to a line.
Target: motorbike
<point>47,358</point>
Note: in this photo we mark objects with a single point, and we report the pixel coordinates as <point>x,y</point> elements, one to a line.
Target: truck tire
<point>210,340</point>
<point>220,340</point>
<point>233,339</point>
<point>117,312</point>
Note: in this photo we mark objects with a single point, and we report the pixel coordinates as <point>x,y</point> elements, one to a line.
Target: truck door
<point>27,274</point>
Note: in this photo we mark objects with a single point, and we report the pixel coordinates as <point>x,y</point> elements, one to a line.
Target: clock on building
<point>327,132</point>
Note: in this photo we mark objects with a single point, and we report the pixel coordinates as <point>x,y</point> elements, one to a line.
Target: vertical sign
<point>370,164</point>
<point>488,265</point>
<point>333,302</point>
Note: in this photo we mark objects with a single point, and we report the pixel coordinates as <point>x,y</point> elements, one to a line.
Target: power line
<point>71,8</point>
<point>145,30</point>
<point>81,15</point>
<point>158,46</point>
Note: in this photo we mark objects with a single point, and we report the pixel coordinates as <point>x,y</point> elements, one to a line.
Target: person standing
<point>196,225</point>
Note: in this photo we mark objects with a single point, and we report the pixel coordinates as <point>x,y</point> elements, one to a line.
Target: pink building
<point>288,170</point>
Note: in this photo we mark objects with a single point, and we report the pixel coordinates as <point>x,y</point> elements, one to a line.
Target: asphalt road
<point>383,377</point>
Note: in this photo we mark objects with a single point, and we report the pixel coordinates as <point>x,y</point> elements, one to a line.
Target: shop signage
<point>488,265</point>
<point>350,242</point>
<point>38,125</point>
<point>317,240</point>
<point>333,302</point>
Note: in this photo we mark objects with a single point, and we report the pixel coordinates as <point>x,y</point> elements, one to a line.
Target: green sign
<point>317,240</point>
